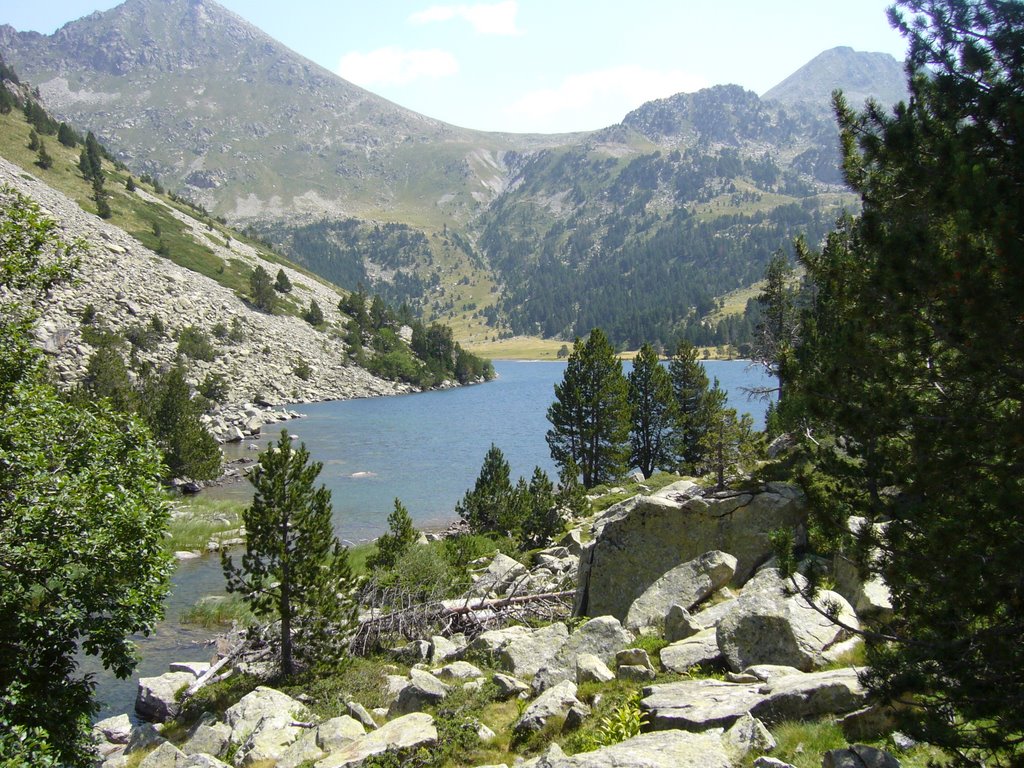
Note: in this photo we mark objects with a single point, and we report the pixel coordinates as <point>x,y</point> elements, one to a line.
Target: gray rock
<point>165,756</point>
<point>338,731</point>
<point>406,732</point>
<point>633,657</point>
<point>770,672</point>
<point>636,672</point>
<point>700,649</point>
<point>302,751</point>
<point>263,703</point>
<point>156,697</point>
<point>590,669</point>
<point>520,650</point>
<point>639,540</point>
<point>603,636</point>
<point>679,624</point>
<point>459,670</point>
<point>143,736</point>
<point>501,574</point>
<point>116,730</point>
<point>208,738</point>
<point>509,686</point>
<point>802,697</point>
<point>202,761</point>
<point>767,626</point>
<point>771,762</point>
<point>667,749</point>
<point>443,649</point>
<point>576,716</point>
<point>859,756</point>
<point>194,668</point>
<point>423,689</point>
<point>358,711</point>
<point>869,723</point>
<point>687,585</point>
<point>554,702</point>
<point>748,734</point>
<point>269,741</point>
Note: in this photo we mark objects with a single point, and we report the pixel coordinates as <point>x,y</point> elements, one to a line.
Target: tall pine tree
<point>653,409</point>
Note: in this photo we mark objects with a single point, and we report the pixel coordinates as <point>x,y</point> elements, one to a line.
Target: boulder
<point>667,749</point>
<point>768,626</point>
<point>697,705</point>
<point>748,734</point>
<point>165,756</point>
<point>640,539</point>
<point>700,649</point>
<point>871,599</point>
<point>858,756</point>
<point>510,686</point>
<point>263,703</point>
<point>204,761</point>
<point>590,669</point>
<point>603,637</point>
<point>459,670</point>
<point>771,762</point>
<point>208,738</point>
<point>406,732</point>
<point>686,585</point>
<point>143,736</point>
<point>422,689</point>
<point>525,651</point>
<point>335,733</point>
<point>156,699</point>
<point>358,711</point>
<point>554,702</point>
<point>679,624</point>
<point>501,574</point>
<point>444,649</point>
<point>116,730</point>
<point>268,741</point>
<point>302,752</point>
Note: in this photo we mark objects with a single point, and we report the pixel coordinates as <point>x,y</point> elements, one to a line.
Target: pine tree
<point>909,375</point>
<point>690,390</point>
<point>590,415</point>
<point>294,569</point>
<point>653,409</point>
<point>314,315</point>
<point>541,519</point>
<point>729,445</point>
<point>33,140</point>
<point>483,507</point>
<point>396,542</point>
<point>776,334</point>
<point>174,417</point>
<point>261,289</point>
<point>66,135</point>
<point>44,160</point>
<point>282,284</point>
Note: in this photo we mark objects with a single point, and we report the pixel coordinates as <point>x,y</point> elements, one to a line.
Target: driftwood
<point>211,674</point>
<point>419,619</point>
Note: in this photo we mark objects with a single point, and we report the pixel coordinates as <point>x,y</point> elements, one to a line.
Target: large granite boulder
<point>666,749</point>
<point>698,650</point>
<point>768,625</point>
<point>603,637</point>
<point>156,699</point>
<point>697,705</point>
<point>685,585</point>
<point>639,540</point>
<point>520,650</point>
<point>406,732</point>
<point>245,716</point>
<point>423,689</point>
<point>554,702</point>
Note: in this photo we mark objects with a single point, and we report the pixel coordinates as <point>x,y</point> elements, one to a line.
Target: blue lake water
<point>425,449</point>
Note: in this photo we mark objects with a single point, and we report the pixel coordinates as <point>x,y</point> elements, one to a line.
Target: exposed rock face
<point>127,284</point>
<point>554,702</point>
<point>262,704</point>
<point>768,626</point>
<point>520,650</point>
<point>668,749</point>
<point>685,585</point>
<point>156,697</point>
<point>602,637</point>
<point>406,732</point>
<point>639,540</point>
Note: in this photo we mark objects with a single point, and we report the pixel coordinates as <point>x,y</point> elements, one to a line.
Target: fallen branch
<point>208,675</point>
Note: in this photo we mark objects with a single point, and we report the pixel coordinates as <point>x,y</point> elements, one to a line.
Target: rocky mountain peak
<point>859,74</point>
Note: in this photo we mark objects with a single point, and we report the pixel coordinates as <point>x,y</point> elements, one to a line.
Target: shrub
<point>194,343</point>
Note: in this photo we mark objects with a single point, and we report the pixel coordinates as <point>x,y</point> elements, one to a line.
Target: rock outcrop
<point>639,540</point>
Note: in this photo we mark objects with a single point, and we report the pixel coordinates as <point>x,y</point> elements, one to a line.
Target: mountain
<point>640,227</point>
<point>858,74</point>
<point>251,130</point>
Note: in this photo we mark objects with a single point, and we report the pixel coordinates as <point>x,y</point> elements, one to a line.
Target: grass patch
<point>608,495</point>
<point>198,521</point>
<point>218,611</point>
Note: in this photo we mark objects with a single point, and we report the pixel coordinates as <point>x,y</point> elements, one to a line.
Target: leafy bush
<point>194,342</point>
<point>214,386</point>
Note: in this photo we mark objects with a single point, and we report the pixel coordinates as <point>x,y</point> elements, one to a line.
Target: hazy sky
<point>541,65</point>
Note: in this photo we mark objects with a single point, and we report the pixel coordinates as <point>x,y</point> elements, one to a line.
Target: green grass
<point>629,489</point>
<point>199,520</point>
<point>218,611</point>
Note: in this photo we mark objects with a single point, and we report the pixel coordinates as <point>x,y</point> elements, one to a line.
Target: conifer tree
<point>314,315</point>
<point>729,445</point>
<point>690,390</point>
<point>483,507</point>
<point>294,570</point>
<point>261,289</point>
<point>282,284</point>
<point>396,542</point>
<point>653,409</point>
<point>44,159</point>
<point>590,415</point>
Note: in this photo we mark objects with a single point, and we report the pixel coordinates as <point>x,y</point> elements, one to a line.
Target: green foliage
<point>590,415</point>
<point>693,408</point>
<point>282,284</point>
<point>44,160</point>
<point>261,289</point>
<point>910,355</point>
<point>396,542</point>
<point>214,387</point>
<point>625,722</point>
<point>195,343</point>
<point>483,507</point>
<point>302,369</point>
<point>294,569</point>
<point>424,573</point>
<point>81,519</point>
<point>730,445</point>
<point>314,315</point>
<point>653,408</point>
<point>173,415</point>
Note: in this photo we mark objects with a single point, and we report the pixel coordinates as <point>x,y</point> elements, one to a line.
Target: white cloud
<point>395,66</point>
<point>493,19</point>
<point>624,88</point>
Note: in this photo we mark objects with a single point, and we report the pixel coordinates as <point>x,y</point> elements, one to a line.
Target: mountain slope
<point>190,91</point>
<point>858,74</point>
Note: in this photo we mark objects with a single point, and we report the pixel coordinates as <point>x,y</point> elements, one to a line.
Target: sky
<point>541,66</point>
